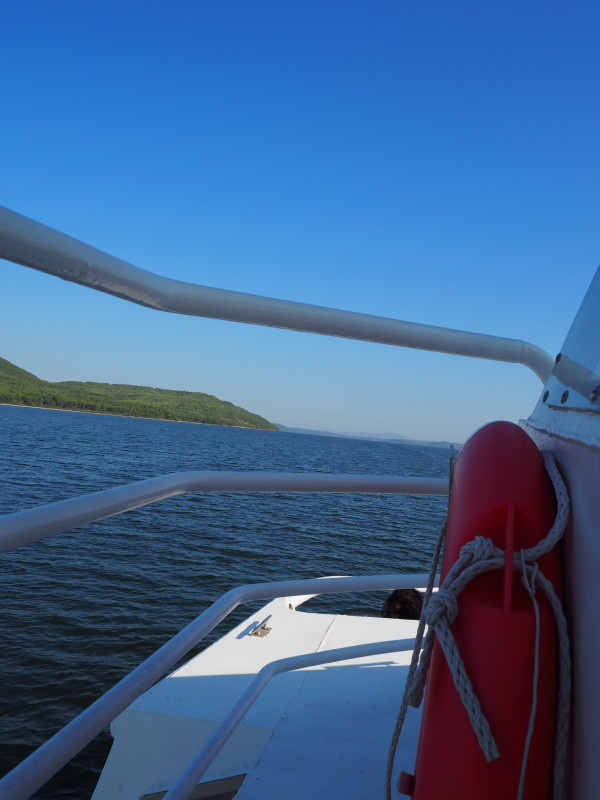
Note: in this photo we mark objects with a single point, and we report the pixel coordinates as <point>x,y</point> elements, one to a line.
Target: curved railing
<point>32,244</point>
<point>24,527</point>
<point>32,525</point>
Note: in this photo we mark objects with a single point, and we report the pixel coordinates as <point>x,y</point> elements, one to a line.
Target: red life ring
<point>500,490</point>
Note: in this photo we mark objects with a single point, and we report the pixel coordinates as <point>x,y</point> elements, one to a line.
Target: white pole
<point>32,244</point>
<point>24,527</point>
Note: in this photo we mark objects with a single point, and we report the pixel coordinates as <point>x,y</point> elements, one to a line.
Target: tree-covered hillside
<point>21,388</point>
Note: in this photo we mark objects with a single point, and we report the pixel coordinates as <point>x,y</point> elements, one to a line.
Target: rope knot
<point>478,549</point>
<point>529,573</point>
<point>441,606</point>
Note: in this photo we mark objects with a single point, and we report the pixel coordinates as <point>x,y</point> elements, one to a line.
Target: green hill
<point>21,388</point>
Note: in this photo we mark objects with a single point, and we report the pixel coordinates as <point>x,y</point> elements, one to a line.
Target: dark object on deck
<point>403,604</point>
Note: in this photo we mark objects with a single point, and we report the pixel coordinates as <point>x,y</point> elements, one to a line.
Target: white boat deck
<point>327,729</point>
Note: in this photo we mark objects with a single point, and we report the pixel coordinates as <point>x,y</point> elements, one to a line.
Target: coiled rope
<point>439,612</point>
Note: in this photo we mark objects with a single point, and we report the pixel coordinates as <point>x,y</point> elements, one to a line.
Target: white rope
<point>440,610</point>
<point>413,665</point>
<point>530,588</point>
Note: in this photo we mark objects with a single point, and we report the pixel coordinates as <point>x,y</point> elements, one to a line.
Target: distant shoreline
<point>388,438</point>
<point>129,416</point>
<point>281,429</point>
<point>21,388</point>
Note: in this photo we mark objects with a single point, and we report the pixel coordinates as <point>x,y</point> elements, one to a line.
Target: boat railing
<point>26,242</point>
<point>35,524</point>
<point>28,776</point>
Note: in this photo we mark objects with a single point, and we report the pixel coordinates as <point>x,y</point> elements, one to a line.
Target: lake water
<point>80,610</point>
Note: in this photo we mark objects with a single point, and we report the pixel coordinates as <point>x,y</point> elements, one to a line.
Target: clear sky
<point>429,161</point>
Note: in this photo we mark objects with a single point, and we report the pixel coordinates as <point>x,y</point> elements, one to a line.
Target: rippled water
<point>82,609</point>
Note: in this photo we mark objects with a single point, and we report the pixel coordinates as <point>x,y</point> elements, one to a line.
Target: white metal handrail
<point>24,527</point>
<point>24,241</point>
<point>27,777</point>
<point>197,767</point>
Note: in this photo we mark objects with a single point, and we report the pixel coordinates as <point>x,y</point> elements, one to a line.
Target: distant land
<point>21,388</point>
<point>377,437</point>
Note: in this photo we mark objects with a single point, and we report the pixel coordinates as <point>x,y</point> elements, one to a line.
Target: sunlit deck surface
<point>317,732</point>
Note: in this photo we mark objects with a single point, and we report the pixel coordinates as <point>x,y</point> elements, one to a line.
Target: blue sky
<point>432,161</point>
